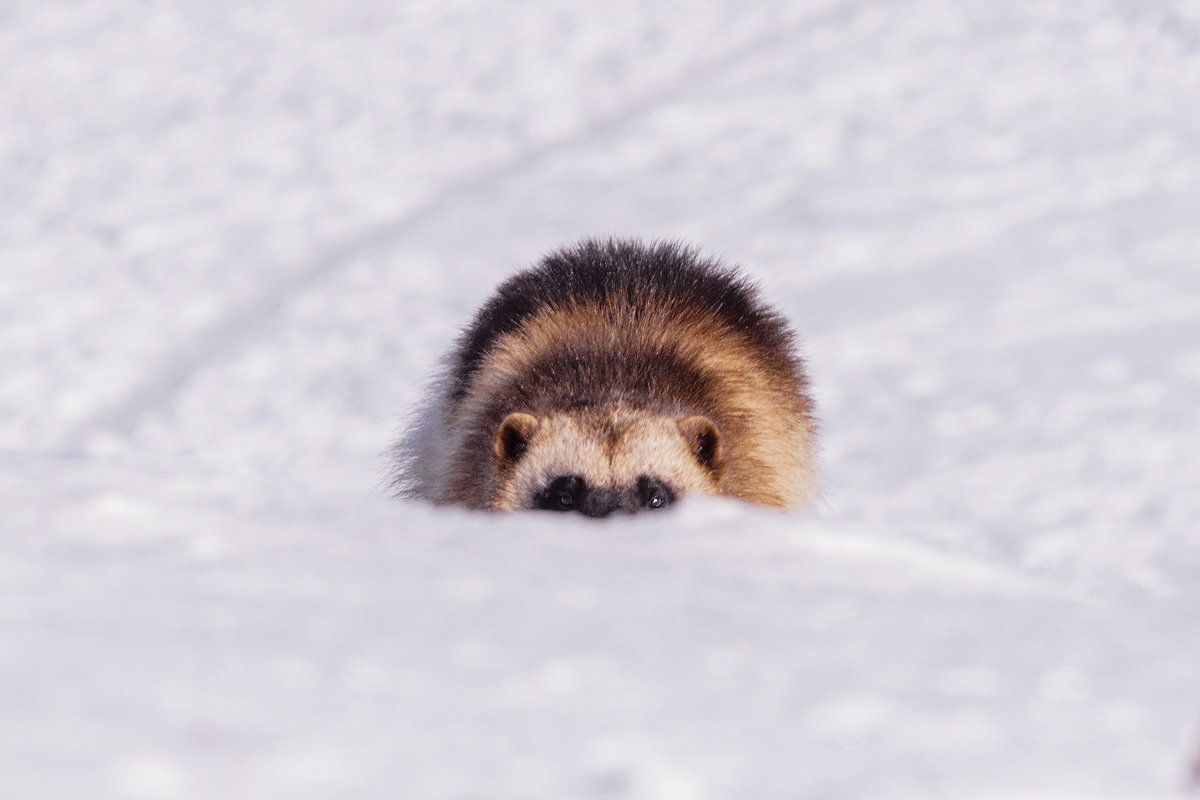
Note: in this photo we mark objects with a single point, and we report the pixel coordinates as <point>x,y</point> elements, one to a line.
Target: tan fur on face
<point>767,434</point>
<point>607,451</point>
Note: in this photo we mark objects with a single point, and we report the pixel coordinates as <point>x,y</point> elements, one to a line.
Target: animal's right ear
<point>512,438</point>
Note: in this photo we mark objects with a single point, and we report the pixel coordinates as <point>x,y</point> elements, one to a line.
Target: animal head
<point>600,464</point>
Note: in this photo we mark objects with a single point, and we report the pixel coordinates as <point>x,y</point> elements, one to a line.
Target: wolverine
<point>617,376</point>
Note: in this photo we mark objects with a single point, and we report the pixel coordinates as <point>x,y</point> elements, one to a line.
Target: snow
<point>237,237</point>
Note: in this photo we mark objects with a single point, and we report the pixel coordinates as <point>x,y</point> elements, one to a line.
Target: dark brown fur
<point>609,333</point>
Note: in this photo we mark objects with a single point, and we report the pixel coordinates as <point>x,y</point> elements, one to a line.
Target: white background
<point>236,237</point>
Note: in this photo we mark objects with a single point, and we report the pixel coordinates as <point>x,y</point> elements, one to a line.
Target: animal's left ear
<point>704,440</point>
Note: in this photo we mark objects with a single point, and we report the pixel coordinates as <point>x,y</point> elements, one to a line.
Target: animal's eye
<point>561,494</point>
<point>653,493</point>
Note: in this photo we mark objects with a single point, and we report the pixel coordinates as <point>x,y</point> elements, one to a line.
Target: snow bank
<point>238,237</point>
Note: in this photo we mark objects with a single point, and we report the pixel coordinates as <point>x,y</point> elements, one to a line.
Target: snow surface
<point>237,236</point>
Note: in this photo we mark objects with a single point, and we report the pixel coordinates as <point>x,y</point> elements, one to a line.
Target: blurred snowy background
<point>237,236</point>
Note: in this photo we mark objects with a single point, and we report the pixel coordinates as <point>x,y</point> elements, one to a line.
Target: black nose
<point>602,502</point>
